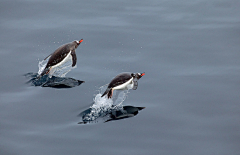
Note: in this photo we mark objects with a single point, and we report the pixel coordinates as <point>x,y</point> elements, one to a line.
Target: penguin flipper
<point>135,85</point>
<point>74,58</point>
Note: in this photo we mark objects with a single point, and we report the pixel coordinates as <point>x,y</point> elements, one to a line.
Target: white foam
<point>103,106</point>
<point>41,65</point>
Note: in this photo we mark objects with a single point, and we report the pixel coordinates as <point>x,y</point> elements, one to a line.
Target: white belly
<point>67,58</point>
<point>126,85</point>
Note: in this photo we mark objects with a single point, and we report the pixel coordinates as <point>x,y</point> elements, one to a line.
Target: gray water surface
<point>189,51</point>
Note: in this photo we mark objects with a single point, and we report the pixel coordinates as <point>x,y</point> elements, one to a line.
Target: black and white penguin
<point>62,54</point>
<point>123,81</point>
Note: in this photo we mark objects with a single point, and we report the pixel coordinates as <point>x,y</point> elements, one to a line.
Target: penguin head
<point>137,75</point>
<point>77,43</point>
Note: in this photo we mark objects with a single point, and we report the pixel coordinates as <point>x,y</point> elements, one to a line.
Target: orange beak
<point>80,40</point>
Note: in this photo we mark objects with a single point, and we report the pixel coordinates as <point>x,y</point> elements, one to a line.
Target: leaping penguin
<point>122,81</point>
<point>61,55</point>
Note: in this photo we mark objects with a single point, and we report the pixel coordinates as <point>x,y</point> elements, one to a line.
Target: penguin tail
<point>108,92</point>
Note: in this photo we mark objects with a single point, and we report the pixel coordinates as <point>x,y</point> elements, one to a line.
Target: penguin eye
<point>77,42</point>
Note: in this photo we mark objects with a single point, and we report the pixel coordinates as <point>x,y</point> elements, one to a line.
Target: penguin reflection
<point>54,82</point>
<point>128,111</point>
<point>125,112</point>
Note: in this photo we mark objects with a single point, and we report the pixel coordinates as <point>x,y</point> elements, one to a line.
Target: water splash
<point>41,65</point>
<point>58,71</point>
<point>102,106</point>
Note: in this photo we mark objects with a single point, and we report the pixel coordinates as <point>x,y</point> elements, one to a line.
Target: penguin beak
<point>140,75</point>
<point>79,42</point>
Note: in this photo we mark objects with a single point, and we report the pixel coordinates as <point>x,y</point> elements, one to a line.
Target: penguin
<point>126,80</point>
<point>61,55</point>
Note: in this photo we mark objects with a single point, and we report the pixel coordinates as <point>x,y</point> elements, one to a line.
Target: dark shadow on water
<point>110,115</point>
<point>54,82</point>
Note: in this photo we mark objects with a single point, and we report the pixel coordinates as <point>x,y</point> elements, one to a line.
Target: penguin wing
<point>135,84</point>
<point>74,58</point>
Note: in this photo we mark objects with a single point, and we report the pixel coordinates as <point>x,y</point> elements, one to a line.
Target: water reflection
<point>110,115</point>
<point>54,82</point>
<point>126,112</point>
